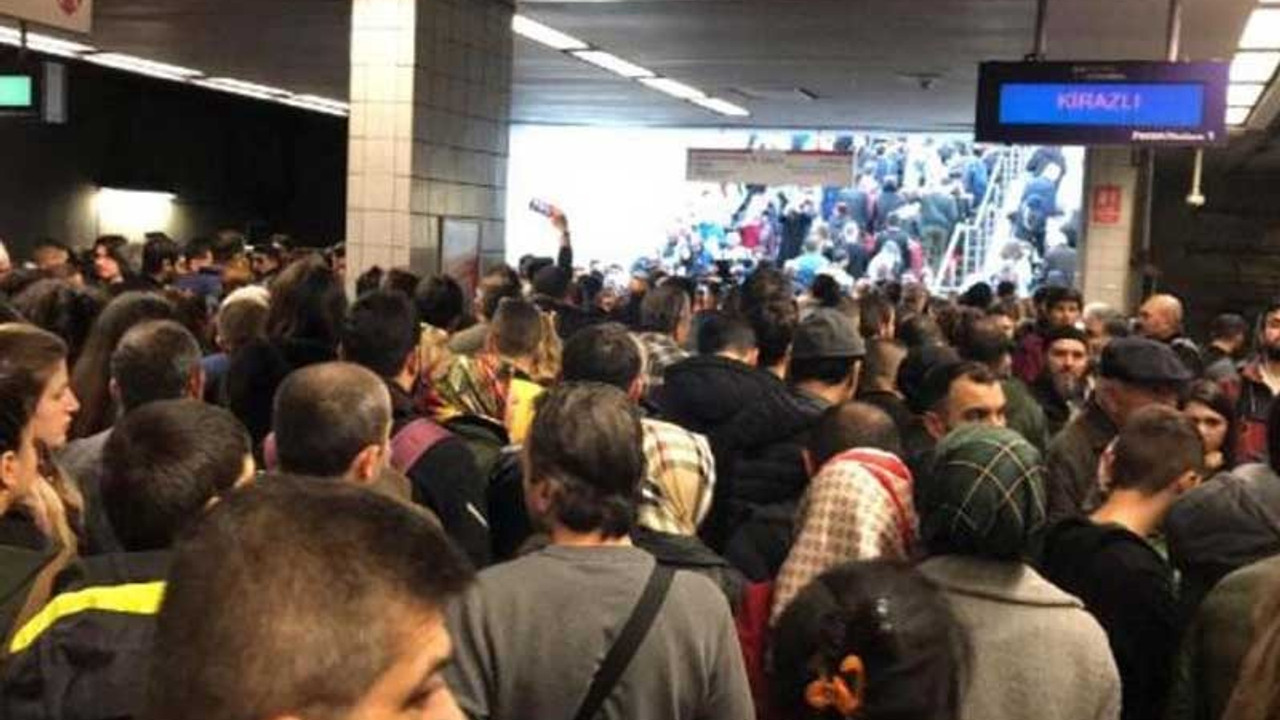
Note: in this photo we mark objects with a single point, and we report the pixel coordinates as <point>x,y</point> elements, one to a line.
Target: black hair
<point>1228,326</point>
<point>326,415</point>
<point>307,302</point>
<point>720,331</point>
<point>890,617</point>
<point>936,386</point>
<point>874,311</point>
<point>826,290</point>
<point>586,439</point>
<point>605,354</point>
<point>162,465</point>
<point>369,280</point>
<point>828,371</point>
<point>774,324</point>
<point>92,374</point>
<point>1213,396</point>
<point>116,247</point>
<point>63,309</point>
<point>552,281</point>
<point>1006,289</point>
<point>663,308</point>
<point>1054,296</point>
<point>853,425</point>
<point>380,332</point>
<point>252,625</point>
<point>916,367</point>
<point>982,340</point>
<point>197,247</point>
<point>500,283</point>
<point>918,331</point>
<point>1156,447</point>
<point>158,250</point>
<point>978,296</point>
<point>401,280</point>
<point>155,360</point>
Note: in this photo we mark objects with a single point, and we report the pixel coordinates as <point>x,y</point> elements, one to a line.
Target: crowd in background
<point>895,223</point>
<point>229,491</point>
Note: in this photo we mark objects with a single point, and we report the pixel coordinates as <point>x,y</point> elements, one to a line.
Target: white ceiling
<point>858,56</point>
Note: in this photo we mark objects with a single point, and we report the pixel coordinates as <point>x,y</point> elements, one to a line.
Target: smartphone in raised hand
<point>544,208</point>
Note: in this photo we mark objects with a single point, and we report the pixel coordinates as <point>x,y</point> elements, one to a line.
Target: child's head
<point>873,640</point>
<point>1158,450</point>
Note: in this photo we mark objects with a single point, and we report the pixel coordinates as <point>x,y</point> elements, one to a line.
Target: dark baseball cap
<point>1065,333</point>
<point>827,333</point>
<point>1141,361</point>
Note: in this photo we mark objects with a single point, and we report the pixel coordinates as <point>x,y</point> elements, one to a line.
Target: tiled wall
<point>1105,267</point>
<point>430,108</point>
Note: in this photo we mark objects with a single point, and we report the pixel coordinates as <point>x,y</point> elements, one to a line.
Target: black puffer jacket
<point>1229,522</point>
<point>756,427</point>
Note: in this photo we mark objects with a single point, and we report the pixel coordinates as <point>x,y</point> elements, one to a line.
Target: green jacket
<point>1215,644</point>
<point>1024,414</point>
<point>1071,463</point>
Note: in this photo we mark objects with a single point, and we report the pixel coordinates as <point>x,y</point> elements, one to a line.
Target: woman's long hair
<point>92,375</point>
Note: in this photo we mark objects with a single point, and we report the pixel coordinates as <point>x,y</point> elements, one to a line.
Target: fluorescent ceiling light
<point>45,43</point>
<point>673,88</point>
<point>1256,67</point>
<point>1244,94</point>
<point>540,33</point>
<point>724,107</point>
<point>1263,30</point>
<point>318,104</point>
<point>613,64</point>
<point>142,66</point>
<point>240,87</point>
<point>1238,115</point>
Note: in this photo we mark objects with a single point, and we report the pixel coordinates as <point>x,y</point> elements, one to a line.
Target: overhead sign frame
<point>1103,103</point>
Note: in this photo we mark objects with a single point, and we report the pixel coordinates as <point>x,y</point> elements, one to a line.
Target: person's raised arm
<point>564,260</point>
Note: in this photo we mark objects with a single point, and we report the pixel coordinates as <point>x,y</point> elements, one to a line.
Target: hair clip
<point>836,693</point>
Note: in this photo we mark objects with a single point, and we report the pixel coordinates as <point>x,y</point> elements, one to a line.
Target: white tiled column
<point>1106,268</point>
<point>430,108</point>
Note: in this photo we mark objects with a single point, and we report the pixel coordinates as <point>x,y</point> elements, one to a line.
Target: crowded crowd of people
<point>229,491</point>
<point>896,222</point>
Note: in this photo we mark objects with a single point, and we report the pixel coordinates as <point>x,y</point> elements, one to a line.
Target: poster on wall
<point>73,15</point>
<point>1108,200</point>
<point>460,252</point>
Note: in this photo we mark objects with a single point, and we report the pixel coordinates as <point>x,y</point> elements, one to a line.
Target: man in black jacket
<point>1108,562</point>
<point>381,334</point>
<point>84,655</point>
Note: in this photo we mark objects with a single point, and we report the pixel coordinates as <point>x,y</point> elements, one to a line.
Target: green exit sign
<point>17,92</point>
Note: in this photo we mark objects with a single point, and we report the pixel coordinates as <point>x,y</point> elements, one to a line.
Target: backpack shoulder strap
<point>413,441</point>
<point>628,642</point>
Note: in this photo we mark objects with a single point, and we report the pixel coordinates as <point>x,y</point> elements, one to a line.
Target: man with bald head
<point>333,420</point>
<point>1160,318</point>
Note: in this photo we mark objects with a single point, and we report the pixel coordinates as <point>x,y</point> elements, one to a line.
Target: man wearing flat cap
<point>826,359</point>
<point>1134,373</point>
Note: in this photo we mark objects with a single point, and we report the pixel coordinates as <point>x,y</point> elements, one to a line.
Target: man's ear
<point>195,384</point>
<point>934,423</point>
<point>636,391</point>
<point>412,363</point>
<point>367,465</point>
<point>113,388</point>
<point>753,357</point>
<point>1188,481</point>
<point>9,479</point>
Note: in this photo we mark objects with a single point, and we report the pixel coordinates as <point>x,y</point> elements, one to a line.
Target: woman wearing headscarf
<point>676,494</point>
<point>858,507</point>
<point>1035,649</point>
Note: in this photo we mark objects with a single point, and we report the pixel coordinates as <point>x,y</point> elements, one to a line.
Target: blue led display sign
<point>1139,103</point>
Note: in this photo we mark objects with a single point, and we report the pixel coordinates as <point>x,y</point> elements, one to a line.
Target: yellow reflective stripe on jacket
<point>133,599</point>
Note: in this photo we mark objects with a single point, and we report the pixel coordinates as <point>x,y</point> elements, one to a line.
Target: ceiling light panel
<point>1263,30</point>
<point>1254,66</point>
<point>142,66</point>
<point>723,107</point>
<point>1238,115</point>
<point>1243,94</point>
<point>539,33</point>
<point>674,88</point>
<point>613,64</point>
